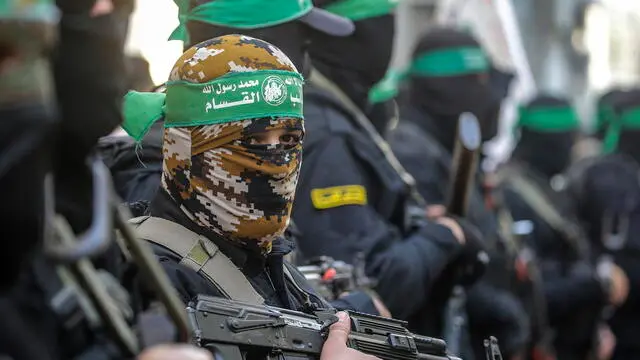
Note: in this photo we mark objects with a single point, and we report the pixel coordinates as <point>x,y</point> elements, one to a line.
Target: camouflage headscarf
<point>243,192</point>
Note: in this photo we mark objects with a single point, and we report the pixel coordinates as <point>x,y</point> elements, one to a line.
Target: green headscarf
<point>239,14</point>
<point>44,11</point>
<point>362,9</point>
<point>209,87</point>
<point>457,61</point>
<point>548,118</point>
<point>388,87</point>
<point>628,119</point>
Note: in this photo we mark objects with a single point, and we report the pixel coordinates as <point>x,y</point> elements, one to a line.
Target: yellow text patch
<point>336,196</point>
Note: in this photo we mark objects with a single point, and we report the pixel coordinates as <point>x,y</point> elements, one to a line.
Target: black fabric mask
<point>89,71</point>
<point>25,158</point>
<point>356,62</point>
<point>291,37</point>
<point>611,184</point>
<point>629,144</point>
<point>444,99</point>
<point>546,152</point>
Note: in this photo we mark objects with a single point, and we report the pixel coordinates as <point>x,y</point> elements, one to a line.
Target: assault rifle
<point>98,297</point>
<point>234,330</point>
<point>331,278</point>
<point>542,332</point>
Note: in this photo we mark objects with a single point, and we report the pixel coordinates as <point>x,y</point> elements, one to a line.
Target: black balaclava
<point>607,189</point>
<point>546,145</point>
<point>87,68</point>
<point>444,98</point>
<point>90,79</point>
<point>25,159</point>
<point>357,62</point>
<point>626,111</point>
<point>291,37</point>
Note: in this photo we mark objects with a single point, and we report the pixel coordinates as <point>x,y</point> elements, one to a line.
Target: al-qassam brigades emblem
<point>274,91</point>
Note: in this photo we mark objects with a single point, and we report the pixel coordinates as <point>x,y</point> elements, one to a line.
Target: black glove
<point>472,261</point>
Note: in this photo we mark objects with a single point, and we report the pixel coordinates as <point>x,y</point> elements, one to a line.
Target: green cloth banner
<point>604,116</point>
<point>548,119</point>
<point>450,62</point>
<point>239,14</point>
<point>233,97</point>
<point>140,111</point>
<point>387,88</point>
<point>362,9</point>
<point>629,119</point>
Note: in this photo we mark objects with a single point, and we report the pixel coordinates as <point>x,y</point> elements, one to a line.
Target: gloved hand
<point>473,259</point>
<point>471,263</point>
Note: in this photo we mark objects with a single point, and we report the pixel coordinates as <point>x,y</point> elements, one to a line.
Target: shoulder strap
<point>200,254</point>
<point>363,122</point>
<point>537,199</point>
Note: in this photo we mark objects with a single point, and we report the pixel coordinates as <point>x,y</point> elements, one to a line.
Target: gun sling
<point>200,254</point>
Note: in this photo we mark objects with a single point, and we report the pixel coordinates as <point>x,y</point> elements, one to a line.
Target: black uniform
<point>404,253</point>
<point>423,142</point>
<point>609,184</point>
<point>574,295</point>
<point>429,162</point>
<point>136,168</point>
<point>350,199</point>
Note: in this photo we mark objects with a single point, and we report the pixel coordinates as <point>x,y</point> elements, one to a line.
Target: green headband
<point>604,114</point>
<point>36,10</point>
<point>239,14</point>
<point>362,9</point>
<point>232,97</point>
<point>629,119</point>
<point>548,119</point>
<point>450,62</point>
<point>387,88</point>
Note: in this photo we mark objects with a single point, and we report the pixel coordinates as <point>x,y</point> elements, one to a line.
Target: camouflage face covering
<point>241,191</point>
<point>222,182</point>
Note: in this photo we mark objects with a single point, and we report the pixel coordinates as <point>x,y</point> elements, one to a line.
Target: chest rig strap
<point>200,254</point>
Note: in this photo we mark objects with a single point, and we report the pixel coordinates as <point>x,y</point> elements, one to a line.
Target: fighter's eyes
<point>279,137</point>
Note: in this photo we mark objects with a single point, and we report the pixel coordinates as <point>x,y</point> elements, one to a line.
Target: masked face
<point>548,153</point>
<point>445,98</point>
<point>236,179</point>
<point>366,52</point>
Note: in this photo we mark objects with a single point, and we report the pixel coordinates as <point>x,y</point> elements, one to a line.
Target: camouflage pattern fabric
<point>241,191</point>
<point>213,58</point>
